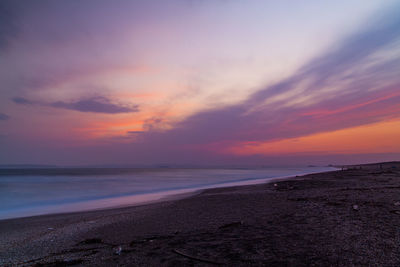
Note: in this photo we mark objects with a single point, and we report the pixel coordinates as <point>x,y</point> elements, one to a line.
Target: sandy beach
<point>342,218</point>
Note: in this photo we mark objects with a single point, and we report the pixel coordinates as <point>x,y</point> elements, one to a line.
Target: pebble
<point>117,250</point>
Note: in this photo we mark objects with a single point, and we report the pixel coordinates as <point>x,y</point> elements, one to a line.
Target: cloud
<point>354,84</point>
<point>3,117</point>
<point>97,104</point>
<point>8,29</point>
<point>348,61</point>
<point>23,101</point>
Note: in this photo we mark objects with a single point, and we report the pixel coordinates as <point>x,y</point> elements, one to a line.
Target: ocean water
<point>44,191</point>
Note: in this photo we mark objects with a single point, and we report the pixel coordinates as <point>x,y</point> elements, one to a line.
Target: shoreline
<point>140,199</point>
<point>348,217</point>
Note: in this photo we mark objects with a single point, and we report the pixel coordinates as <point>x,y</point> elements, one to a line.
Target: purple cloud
<point>22,101</point>
<point>3,117</point>
<point>97,104</point>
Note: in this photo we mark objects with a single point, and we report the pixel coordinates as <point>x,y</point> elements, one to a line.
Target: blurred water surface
<point>42,191</point>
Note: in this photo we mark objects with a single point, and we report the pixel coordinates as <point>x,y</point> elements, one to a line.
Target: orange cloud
<point>121,125</point>
<point>147,96</point>
<point>114,128</point>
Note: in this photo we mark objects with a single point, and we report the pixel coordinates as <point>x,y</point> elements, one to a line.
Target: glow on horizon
<point>382,137</point>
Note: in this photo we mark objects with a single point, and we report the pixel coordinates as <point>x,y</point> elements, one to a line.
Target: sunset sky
<point>201,82</point>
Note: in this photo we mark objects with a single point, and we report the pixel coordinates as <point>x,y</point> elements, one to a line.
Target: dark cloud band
<point>94,104</point>
<point>3,117</point>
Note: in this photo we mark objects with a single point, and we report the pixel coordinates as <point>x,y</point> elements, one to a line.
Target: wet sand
<point>345,218</point>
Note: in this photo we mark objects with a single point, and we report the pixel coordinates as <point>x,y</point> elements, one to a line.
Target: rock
<point>355,207</point>
<point>397,203</point>
<point>117,250</point>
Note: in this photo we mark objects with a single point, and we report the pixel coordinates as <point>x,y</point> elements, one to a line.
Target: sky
<point>199,82</point>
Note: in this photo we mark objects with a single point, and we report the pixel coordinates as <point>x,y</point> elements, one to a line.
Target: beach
<point>346,218</point>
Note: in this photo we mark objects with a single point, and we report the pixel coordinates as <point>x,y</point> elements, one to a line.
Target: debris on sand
<point>117,250</point>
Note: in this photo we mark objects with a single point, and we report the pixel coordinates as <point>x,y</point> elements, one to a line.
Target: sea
<point>38,191</point>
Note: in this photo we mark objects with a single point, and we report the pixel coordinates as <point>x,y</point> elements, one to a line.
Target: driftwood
<point>196,258</point>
